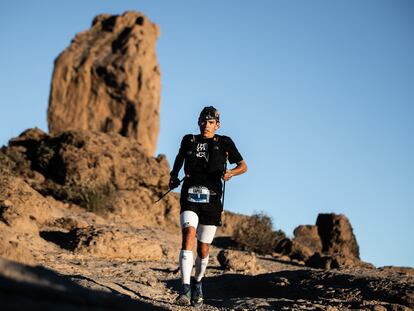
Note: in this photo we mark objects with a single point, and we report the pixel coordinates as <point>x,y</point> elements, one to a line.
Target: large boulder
<point>329,244</point>
<point>337,236</point>
<point>108,80</point>
<point>238,261</point>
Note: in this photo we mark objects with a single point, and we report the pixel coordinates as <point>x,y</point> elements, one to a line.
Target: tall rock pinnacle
<point>108,80</point>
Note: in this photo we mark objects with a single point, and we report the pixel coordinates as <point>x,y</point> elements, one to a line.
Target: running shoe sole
<point>183,300</point>
<point>198,304</point>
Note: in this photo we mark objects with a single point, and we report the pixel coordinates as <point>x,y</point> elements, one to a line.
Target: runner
<point>205,159</point>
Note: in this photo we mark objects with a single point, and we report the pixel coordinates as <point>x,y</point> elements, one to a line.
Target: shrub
<point>14,162</point>
<point>256,234</point>
<point>6,164</point>
<point>44,154</point>
<point>94,199</point>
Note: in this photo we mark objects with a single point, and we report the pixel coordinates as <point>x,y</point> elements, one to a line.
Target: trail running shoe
<point>184,299</point>
<point>197,295</point>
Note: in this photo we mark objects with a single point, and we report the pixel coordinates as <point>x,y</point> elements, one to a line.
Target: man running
<point>205,159</point>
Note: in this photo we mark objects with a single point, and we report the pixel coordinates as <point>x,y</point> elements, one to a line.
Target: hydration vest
<point>217,156</point>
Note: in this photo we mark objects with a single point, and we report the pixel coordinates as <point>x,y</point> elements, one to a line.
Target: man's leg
<point>186,254</point>
<point>189,222</point>
<point>205,237</point>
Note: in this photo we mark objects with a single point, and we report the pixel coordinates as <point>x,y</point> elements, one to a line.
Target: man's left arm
<point>240,168</point>
<point>234,157</point>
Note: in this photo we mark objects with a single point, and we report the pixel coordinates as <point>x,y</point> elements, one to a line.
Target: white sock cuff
<point>204,260</point>
<point>201,266</point>
<point>184,252</point>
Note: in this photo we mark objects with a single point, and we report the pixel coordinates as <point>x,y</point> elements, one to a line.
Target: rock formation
<point>329,244</point>
<point>305,243</point>
<point>116,243</point>
<point>337,235</point>
<point>101,172</point>
<point>23,212</point>
<point>108,80</point>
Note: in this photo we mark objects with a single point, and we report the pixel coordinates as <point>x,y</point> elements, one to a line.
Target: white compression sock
<point>186,265</point>
<point>201,266</point>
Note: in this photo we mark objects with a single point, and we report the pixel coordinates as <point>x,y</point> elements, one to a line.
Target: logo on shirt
<point>202,151</point>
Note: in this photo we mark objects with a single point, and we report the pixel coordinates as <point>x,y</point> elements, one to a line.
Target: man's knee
<point>202,249</point>
<point>188,238</point>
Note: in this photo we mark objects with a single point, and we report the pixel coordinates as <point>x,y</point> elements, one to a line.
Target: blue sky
<point>317,95</point>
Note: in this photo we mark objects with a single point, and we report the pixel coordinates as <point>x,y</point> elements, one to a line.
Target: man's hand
<point>174,182</point>
<point>240,168</point>
<point>227,175</point>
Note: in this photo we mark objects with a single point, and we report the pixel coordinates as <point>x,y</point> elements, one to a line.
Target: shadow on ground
<point>286,288</point>
<point>37,288</point>
<point>65,240</point>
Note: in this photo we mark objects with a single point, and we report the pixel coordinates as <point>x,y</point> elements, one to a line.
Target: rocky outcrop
<point>49,180</point>
<point>238,261</point>
<point>89,159</point>
<point>305,243</point>
<point>24,215</point>
<point>108,80</point>
<point>23,208</point>
<point>308,236</point>
<point>329,244</point>
<point>339,245</point>
<point>337,235</point>
<point>31,224</point>
<point>116,243</point>
<point>13,249</point>
<point>98,171</point>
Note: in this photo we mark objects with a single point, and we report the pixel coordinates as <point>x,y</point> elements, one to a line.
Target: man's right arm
<point>174,180</point>
<point>178,164</point>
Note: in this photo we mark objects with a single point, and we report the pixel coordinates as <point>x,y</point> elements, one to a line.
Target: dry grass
<point>94,199</point>
<point>256,234</point>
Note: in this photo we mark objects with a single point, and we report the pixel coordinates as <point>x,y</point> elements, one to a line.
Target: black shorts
<point>208,213</point>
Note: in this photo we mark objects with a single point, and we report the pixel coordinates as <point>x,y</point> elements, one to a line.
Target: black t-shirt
<point>199,172</point>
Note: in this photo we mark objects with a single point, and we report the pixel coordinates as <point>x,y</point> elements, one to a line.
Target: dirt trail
<point>282,285</point>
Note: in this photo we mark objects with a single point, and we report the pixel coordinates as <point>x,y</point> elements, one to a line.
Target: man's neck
<point>207,137</point>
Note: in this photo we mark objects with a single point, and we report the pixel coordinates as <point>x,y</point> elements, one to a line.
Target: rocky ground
<point>65,245</point>
<point>66,280</point>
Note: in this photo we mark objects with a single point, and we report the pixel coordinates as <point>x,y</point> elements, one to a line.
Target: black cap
<point>209,113</point>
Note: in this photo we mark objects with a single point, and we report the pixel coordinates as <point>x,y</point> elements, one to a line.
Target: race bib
<point>198,194</point>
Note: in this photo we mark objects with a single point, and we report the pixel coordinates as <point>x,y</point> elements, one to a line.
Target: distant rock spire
<point>108,80</point>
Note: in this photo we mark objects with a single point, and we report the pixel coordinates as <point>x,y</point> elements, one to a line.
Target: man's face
<point>208,128</point>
